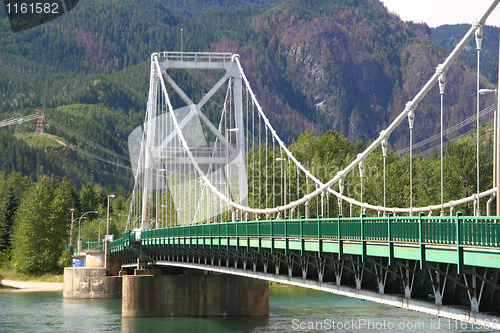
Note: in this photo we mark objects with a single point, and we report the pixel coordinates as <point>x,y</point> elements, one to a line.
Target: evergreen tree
<point>10,197</point>
<point>41,225</point>
<point>89,198</point>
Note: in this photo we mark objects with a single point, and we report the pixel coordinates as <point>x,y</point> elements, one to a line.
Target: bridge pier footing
<point>193,295</point>
<point>90,282</point>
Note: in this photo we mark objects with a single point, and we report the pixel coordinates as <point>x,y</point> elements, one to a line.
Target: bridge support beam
<point>194,295</point>
<point>438,286</point>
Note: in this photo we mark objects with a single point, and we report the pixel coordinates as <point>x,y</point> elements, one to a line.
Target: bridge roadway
<point>447,266</point>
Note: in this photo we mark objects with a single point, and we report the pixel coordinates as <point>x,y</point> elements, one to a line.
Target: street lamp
<point>99,237</point>
<point>495,134</point>
<point>71,230</point>
<point>134,223</point>
<point>71,236</point>
<point>79,229</point>
<point>497,127</point>
<point>126,215</point>
<point>106,247</point>
<point>479,38</point>
<point>228,169</point>
<point>111,196</point>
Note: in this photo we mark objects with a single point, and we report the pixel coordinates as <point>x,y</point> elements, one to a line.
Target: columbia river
<point>290,310</point>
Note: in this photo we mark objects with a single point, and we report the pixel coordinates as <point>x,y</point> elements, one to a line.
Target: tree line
<point>35,219</point>
<point>35,216</point>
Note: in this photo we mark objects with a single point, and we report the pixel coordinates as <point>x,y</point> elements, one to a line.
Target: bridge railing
<point>474,231</point>
<point>122,243</point>
<point>73,251</point>
<point>95,245</point>
<point>469,231</point>
<point>195,56</point>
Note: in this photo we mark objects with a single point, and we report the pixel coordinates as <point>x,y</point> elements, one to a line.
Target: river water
<point>291,310</point>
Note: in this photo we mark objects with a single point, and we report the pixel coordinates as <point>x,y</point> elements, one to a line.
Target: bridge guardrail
<point>472,231</point>
<point>456,233</point>
<point>73,251</point>
<point>122,243</point>
<point>95,245</point>
<point>195,56</point>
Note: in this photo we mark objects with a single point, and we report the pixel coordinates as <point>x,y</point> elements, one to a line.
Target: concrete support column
<point>85,282</point>
<point>194,295</point>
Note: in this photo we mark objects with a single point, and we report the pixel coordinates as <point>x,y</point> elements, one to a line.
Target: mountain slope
<point>448,36</point>
<point>346,65</point>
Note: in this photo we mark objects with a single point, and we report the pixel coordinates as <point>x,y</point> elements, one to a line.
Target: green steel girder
<point>472,256</point>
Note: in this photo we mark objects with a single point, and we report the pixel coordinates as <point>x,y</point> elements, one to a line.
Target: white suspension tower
<point>156,156</point>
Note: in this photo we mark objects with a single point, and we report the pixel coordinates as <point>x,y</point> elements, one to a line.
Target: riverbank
<point>30,286</point>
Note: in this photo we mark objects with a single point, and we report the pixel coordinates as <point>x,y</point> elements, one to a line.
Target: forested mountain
<point>448,37</point>
<point>330,75</point>
<point>346,65</point>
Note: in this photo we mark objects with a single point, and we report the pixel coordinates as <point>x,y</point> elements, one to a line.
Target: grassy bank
<point>11,275</point>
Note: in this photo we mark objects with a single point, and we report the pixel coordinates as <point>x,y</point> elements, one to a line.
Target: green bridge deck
<point>459,239</point>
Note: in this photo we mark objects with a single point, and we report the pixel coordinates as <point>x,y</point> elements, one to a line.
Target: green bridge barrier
<point>473,231</point>
<point>95,245</point>
<point>456,232</point>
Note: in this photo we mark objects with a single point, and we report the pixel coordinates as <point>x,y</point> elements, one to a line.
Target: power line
<point>85,140</point>
<point>17,120</point>
<point>452,129</point>
<point>86,153</point>
<point>97,170</point>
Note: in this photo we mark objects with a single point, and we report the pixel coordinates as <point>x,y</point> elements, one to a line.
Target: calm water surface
<point>291,310</point>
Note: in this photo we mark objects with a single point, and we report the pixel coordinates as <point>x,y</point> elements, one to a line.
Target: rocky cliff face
<point>358,66</point>
<point>346,65</point>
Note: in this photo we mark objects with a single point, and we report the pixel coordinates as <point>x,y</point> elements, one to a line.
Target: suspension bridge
<point>217,190</point>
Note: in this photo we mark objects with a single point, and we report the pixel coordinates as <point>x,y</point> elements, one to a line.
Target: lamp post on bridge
<point>110,197</point>
<point>79,229</point>
<point>126,215</point>
<point>495,138</point>
<point>99,227</point>
<point>71,230</point>
<point>106,238</point>
<point>497,142</point>
<point>71,233</point>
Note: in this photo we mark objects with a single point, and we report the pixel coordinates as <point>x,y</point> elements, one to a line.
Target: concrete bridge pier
<point>194,293</point>
<point>93,280</point>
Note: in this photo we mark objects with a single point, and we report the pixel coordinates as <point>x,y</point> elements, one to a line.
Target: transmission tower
<point>19,125</point>
<point>39,122</point>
